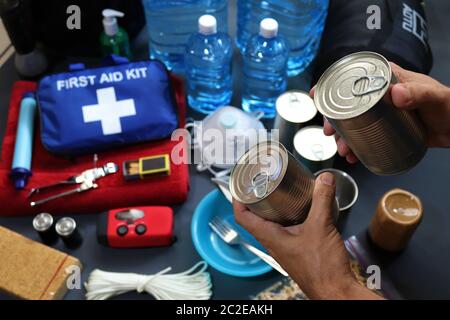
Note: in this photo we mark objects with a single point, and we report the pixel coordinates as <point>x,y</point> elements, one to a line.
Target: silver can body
<point>294,110</point>
<point>273,184</point>
<point>353,94</point>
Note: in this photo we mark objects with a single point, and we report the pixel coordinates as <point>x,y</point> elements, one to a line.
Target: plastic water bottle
<point>170,23</point>
<point>301,24</point>
<point>208,67</point>
<point>265,76</point>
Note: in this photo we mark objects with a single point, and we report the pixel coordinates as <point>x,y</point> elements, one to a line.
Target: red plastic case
<point>136,227</point>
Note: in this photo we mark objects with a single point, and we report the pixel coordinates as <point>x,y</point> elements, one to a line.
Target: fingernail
<point>327,178</point>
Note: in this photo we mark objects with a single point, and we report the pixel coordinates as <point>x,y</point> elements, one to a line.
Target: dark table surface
<point>421,271</point>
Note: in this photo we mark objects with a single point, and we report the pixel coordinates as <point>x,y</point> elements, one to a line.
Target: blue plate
<point>232,260</point>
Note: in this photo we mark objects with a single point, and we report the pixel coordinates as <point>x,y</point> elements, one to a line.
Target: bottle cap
<point>110,21</point>
<point>268,28</point>
<point>19,177</point>
<point>207,25</point>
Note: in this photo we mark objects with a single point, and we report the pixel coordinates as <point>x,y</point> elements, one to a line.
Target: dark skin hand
<point>415,91</point>
<point>313,253</point>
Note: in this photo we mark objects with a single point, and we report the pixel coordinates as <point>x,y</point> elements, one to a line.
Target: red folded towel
<point>113,190</point>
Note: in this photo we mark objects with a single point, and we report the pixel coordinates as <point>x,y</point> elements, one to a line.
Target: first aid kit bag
<point>90,110</point>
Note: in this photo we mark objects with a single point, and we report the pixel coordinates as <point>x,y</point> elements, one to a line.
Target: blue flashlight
<point>23,150</point>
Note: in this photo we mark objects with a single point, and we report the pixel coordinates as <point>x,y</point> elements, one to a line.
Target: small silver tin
<point>294,110</point>
<point>347,191</point>
<point>314,149</point>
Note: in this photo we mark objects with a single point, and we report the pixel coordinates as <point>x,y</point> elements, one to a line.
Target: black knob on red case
<point>141,229</point>
<point>122,230</point>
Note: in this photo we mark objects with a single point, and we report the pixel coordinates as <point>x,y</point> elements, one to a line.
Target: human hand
<point>415,91</point>
<point>313,253</point>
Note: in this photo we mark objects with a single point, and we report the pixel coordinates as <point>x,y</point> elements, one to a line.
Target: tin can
<point>314,149</point>
<point>353,95</point>
<point>273,184</point>
<point>67,229</point>
<point>44,225</point>
<point>294,110</point>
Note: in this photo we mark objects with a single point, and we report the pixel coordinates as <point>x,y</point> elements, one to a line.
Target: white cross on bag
<point>109,111</point>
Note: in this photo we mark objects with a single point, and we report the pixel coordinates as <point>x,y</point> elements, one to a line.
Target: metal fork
<point>232,237</point>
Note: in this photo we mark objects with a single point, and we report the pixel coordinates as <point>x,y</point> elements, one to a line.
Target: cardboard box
<point>31,270</point>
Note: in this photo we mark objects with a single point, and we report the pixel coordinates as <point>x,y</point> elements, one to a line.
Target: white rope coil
<point>187,285</point>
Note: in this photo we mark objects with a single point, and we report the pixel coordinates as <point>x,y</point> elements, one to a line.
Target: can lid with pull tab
<point>353,85</point>
<point>296,107</point>
<point>258,172</point>
<point>312,144</point>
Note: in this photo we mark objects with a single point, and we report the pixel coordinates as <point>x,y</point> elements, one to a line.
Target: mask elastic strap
<point>217,174</point>
<point>258,114</point>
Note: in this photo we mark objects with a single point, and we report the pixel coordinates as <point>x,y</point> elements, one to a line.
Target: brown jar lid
<point>402,207</point>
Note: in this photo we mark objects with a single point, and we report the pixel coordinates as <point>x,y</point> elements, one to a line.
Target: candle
<point>397,216</point>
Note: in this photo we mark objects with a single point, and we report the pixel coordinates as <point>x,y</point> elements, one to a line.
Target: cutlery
<point>232,237</point>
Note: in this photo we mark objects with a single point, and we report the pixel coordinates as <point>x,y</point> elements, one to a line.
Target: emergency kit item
<point>31,270</point>
<point>397,30</point>
<point>346,188</point>
<point>114,39</point>
<point>233,261</point>
<point>265,69</point>
<point>170,23</point>
<point>23,149</point>
<point>230,236</point>
<point>146,167</point>
<point>208,67</point>
<point>294,110</point>
<point>301,23</point>
<point>237,131</point>
<point>273,184</point>
<point>85,181</point>
<point>353,94</point>
<point>44,225</point>
<point>136,227</point>
<point>67,28</point>
<point>192,284</point>
<point>314,149</point>
<point>67,229</point>
<point>117,105</point>
<point>16,16</point>
<point>397,216</point>
<point>114,191</point>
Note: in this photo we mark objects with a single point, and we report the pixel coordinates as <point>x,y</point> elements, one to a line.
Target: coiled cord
<point>187,285</point>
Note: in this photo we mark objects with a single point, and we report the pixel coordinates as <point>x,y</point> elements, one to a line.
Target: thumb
<point>323,202</point>
<point>413,95</point>
<point>312,92</point>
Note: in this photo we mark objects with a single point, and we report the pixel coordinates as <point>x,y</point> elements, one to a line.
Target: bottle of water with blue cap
<point>301,24</point>
<point>170,23</point>
<point>265,74</point>
<point>208,67</point>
